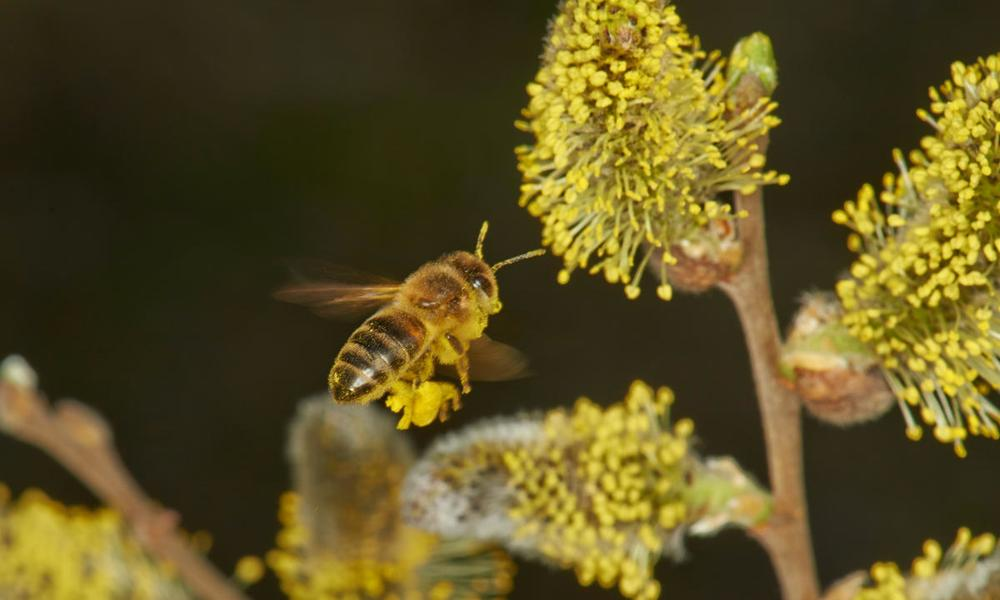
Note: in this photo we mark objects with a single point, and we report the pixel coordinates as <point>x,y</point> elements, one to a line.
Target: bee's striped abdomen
<point>375,355</point>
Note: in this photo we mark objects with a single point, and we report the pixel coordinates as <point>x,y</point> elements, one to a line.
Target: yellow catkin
<point>249,570</point>
<point>923,289</point>
<point>597,490</point>
<point>632,138</point>
<point>964,560</point>
<point>48,550</point>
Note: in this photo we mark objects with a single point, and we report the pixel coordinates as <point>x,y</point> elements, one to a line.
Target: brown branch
<point>785,536</point>
<point>81,440</point>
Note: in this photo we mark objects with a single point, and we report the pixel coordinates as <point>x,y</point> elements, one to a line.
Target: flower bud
<point>754,55</point>
<point>16,371</point>
<point>20,402</point>
<point>702,260</point>
<point>834,374</point>
<point>721,494</point>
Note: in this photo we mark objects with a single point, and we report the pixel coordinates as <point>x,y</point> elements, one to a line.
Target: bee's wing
<point>490,360</point>
<point>336,291</point>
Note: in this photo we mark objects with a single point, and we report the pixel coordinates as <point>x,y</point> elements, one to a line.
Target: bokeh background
<point>160,162</point>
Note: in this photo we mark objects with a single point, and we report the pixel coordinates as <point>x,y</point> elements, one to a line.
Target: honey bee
<point>435,317</point>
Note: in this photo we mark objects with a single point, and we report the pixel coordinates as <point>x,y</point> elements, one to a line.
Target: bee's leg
<point>431,399</point>
<point>423,369</point>
<point>461,362</point>
<point>401,397</point>
<point>456,403</point>
<point>402,394</point>
<point>445,395</point>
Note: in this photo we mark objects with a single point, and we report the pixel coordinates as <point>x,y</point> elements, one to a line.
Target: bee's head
<point>480,276</point>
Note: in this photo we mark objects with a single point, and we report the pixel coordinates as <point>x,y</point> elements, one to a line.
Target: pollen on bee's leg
<point>422,404</point>
<point>401,398</point>
<point>431,401</point>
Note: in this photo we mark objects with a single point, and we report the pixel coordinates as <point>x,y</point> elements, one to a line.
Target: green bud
<point>754,55</point>
<point>721,494</point>
<point>818,341</point>
<point>837,377</point>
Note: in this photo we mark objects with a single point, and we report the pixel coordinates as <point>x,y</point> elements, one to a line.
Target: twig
<point>81,440</point>
<point>786,534</point>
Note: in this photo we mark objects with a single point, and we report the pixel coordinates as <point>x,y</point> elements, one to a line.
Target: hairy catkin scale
<point>348,466</point>
<point>837,378</point>
<point>842,396</point>
<point>342,536</point>
<point>700,261</point>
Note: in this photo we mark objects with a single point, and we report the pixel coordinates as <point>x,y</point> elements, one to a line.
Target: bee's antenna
<point>518,258</point>
<point>482,236</point>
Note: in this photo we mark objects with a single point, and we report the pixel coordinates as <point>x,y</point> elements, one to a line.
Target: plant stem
<point>80,439</point>
<point>786,534</point>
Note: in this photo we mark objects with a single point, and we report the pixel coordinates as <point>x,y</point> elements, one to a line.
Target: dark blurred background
<point>160,161</point>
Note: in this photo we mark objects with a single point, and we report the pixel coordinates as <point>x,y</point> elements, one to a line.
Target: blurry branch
<point>81,440</point>
<point>786,534</point>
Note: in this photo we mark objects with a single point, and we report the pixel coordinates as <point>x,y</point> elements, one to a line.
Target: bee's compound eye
<point>483,283</point>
